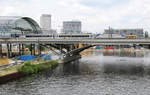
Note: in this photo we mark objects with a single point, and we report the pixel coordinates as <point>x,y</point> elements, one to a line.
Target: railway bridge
<point>72,51</point>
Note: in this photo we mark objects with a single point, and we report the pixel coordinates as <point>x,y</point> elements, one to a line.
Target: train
<point>119,37</point>
<point>53,36</point>
<point>131,36</point>
<point>69,36</point>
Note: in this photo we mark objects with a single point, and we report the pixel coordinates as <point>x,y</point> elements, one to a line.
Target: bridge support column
<point>19,49</point>
<point>1,50</point>
<point>148,46</point>
<point>32,49</point>
<point>39,49</point>
<point>69,48</point>
<point>8,51</point>
<point>61,49</point>
<point>22,49</point>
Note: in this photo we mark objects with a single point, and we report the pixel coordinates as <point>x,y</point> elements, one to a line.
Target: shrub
<point>29,68</point>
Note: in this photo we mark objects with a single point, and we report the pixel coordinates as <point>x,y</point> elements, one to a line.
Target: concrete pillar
<point>22,49</point>
<point>39,49</point>
<point>34,49</point>
<point>71,47</point>
<point>61,49</point>
<point>19,49</point>
<point>0,49</point>
<point>8,51</point>
<point>148,46</point>
<point>31,49</point>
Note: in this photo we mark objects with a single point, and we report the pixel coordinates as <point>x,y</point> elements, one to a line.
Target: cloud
<point>94,14</point>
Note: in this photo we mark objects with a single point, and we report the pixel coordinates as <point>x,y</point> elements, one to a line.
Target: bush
<point>29,68</point>
<point>54,64</point>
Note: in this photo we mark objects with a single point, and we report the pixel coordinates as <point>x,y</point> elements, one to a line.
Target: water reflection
<point>102,73</point>
<point>71,68</point>
<point>120,62</point>
<point>124,53</point>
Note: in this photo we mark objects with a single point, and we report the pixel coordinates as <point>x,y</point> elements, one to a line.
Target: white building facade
<point>45,23</point>
<point>72,27</point>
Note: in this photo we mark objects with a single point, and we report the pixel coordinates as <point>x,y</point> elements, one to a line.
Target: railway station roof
<point>16,24</point>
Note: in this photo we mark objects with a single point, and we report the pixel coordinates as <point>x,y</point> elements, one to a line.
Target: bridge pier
<point>22,49</point>
<point>39,49</point>
<point>19,49</point>
<point>61,49</point>
<point>9,50</point>
<point>10,46</point>
<point>1,50</point>
<point>70,47</point>
<point>32,49</point>
<point>68,59</point>
<point>148,46</point>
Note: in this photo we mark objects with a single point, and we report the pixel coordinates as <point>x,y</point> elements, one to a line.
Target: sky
<point>96,15</point>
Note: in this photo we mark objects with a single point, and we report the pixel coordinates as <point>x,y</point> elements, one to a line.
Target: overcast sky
<point>96,15</point>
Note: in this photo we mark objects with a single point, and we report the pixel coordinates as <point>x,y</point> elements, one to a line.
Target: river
<point>98,73</point>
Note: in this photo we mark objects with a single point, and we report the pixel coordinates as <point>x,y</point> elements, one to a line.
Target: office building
<point>123,32</point>
<point>72,27</point>
<point>45,23</point>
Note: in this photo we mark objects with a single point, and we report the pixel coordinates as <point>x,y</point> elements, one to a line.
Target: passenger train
<point>54,36</point>
<point>69,36</point>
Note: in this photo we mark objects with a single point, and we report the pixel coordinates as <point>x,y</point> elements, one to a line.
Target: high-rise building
<point>45,21</point>
<point>72,27</point>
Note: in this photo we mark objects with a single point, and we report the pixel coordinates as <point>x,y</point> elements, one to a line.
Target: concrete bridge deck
<point>76,41</point>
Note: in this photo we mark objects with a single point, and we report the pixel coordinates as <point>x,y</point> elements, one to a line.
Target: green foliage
<point>54,64</point>
<point>29,68</point>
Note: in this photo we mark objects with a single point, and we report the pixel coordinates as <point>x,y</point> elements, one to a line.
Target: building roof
<point>10,20</point>
<point>126,29</point>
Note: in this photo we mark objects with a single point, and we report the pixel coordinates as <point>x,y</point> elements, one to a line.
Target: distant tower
<point>45,22</point>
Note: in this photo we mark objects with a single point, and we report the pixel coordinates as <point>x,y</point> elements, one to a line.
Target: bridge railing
<point>76,41</point>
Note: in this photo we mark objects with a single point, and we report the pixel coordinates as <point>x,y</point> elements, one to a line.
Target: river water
<point>97,73</point>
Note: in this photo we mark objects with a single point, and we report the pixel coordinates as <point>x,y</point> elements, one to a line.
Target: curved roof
<point>10,20</point>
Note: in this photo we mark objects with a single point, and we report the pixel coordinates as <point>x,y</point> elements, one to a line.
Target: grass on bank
<point>29,68</point>
<point>8,71</point>
<point>3,61</point>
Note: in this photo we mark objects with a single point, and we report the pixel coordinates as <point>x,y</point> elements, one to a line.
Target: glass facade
<point>72,27</point>
<point>138,32</point>
<point>18,26</point>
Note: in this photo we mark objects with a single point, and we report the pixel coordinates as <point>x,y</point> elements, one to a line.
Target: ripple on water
<point>96,74</point>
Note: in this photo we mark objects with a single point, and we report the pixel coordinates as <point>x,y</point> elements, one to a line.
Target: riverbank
<point>16,72</point>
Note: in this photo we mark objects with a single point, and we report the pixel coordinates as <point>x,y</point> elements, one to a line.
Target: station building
<point>123,32</point>
<point>16,25</point>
